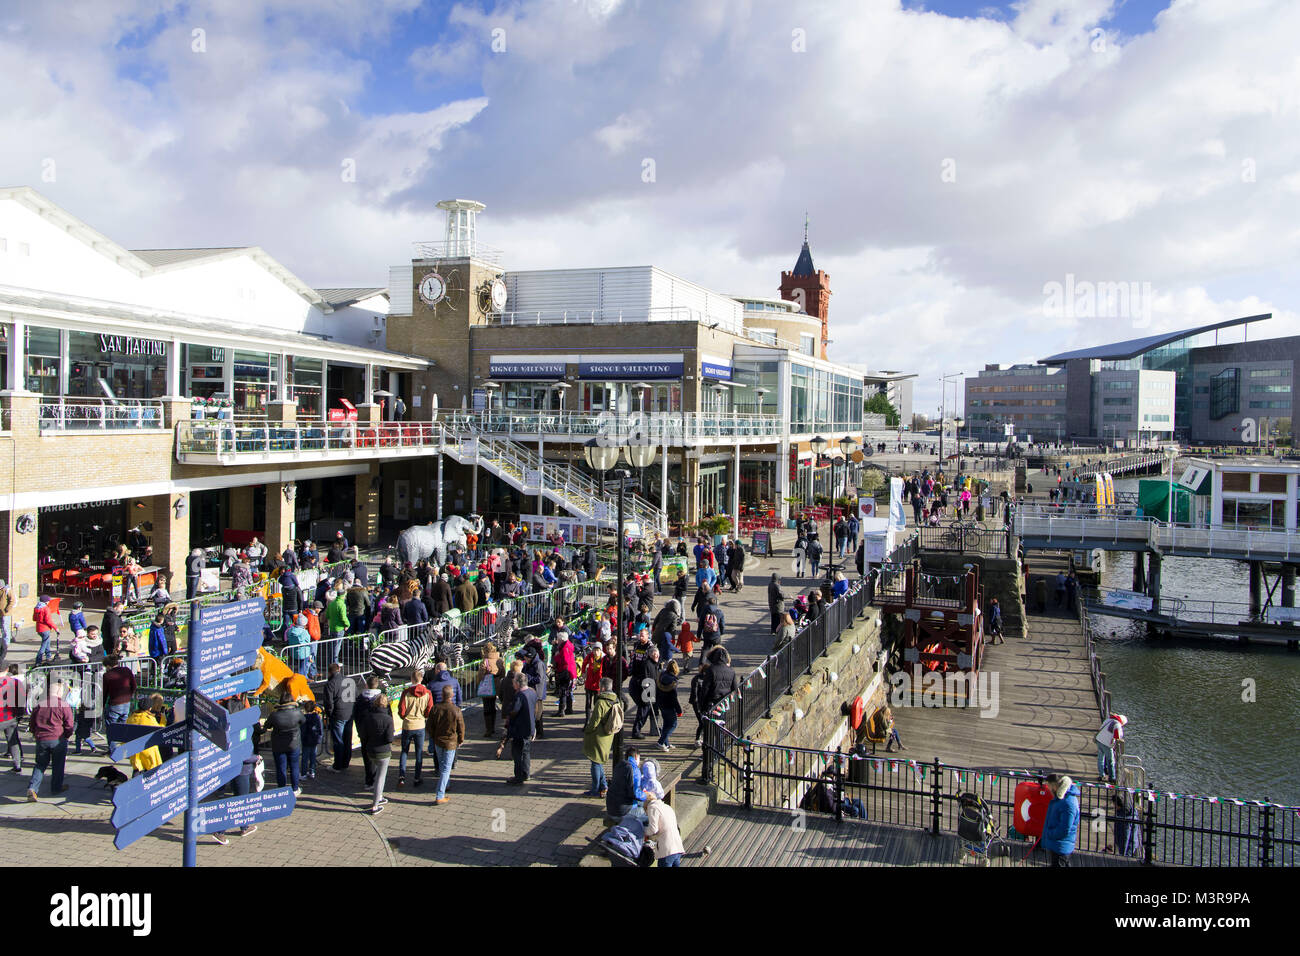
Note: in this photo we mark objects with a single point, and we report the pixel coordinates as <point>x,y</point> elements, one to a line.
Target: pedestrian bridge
<point>1199,618</point>
<point>1126,531</point>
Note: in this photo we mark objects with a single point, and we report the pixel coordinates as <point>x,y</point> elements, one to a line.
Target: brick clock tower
<point>811,288</point>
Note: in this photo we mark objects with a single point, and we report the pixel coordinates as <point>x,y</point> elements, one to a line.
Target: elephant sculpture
<point>432,540</point>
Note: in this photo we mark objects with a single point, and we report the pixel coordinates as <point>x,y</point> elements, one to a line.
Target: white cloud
<point>1120,163</point>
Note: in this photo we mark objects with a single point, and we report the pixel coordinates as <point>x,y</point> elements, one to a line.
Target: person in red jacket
<point>47,626</point>
<point>564,661</point>
<point>52,724</point>
<point>593,667</point>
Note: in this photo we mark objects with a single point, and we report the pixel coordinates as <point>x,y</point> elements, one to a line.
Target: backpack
<point>711,623</point>
<point>612,722</point>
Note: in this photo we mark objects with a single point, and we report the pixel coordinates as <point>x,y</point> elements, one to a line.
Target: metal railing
<point>667,313</point>
<point>753,698</point>
<point>671,428</point>
<point>965,538</point>
<point>1166,828</point>
<point>1157,536</point>
<point>99,414</point>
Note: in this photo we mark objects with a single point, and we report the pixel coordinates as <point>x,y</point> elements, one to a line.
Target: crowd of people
<point>630,654</point>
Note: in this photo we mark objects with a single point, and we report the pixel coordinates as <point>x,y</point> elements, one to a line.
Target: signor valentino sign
<point>128,345</point>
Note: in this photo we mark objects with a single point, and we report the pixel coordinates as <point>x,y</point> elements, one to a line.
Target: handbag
<point>487,687</point>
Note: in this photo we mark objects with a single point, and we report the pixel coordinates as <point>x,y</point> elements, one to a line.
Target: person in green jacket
<point>596,742</point>
<point>336,616</point>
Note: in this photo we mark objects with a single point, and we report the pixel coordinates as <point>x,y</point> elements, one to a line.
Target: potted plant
<point>793,503</point>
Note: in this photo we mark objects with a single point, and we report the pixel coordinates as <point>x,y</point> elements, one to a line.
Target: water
<point>1184,697</point>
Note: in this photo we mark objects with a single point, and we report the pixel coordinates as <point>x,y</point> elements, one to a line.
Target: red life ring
<point>856,713</point>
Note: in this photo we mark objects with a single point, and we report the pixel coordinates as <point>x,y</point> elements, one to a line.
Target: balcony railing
<point>99,414</point>
<point>671,428</point>
<point>226,439</point>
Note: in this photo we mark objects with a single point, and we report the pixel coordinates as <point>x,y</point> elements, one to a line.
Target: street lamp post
<point>603,457</point>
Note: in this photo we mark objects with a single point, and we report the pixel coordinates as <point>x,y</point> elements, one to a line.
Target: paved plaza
<point>485,822</point>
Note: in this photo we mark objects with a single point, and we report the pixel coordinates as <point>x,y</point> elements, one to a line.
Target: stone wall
<point>812,716</point>
<point>999,577</point>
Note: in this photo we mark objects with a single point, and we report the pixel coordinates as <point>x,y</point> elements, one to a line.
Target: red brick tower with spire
<point>810,287</point>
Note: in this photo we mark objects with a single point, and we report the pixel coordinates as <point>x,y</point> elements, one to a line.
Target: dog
<point>112,777</point>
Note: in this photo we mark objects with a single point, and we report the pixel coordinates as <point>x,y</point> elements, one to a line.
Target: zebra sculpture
<point>413,651</point>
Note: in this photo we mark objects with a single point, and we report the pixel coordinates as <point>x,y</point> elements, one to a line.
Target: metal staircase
<point>521,467</point>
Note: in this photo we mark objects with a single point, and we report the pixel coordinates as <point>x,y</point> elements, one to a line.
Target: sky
<point>959,162</point>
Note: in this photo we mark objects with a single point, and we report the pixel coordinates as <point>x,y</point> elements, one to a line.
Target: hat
<point>317,605</point>
<point>1121,718</point>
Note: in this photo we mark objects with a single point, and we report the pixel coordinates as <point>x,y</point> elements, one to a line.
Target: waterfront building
<point>1182,385</point>
<point>189,397</point>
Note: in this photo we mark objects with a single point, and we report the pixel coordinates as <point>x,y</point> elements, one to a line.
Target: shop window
<point>1236,481</point>
<point>43,360</point>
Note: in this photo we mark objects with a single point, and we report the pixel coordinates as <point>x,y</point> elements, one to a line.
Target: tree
<point>920,423</point>
<point>879,404</point>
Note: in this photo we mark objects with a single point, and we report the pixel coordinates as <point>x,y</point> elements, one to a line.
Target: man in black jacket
<point>775,601</point>
<point>521,728</point>
<point>194,565</point>
<point>736,566</point>
<point>589,562</point>
<point>112,628</point>
<point>338,701</point>
<point>656,564</point>
<point>645,674</point>
<point>718,680</point>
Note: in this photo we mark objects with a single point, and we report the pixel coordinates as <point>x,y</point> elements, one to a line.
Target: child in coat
<point>313,732</point>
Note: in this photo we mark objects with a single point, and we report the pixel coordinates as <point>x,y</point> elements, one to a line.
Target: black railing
<point>753,699</point>
<point>965,538</point>
<point>1154,827</point>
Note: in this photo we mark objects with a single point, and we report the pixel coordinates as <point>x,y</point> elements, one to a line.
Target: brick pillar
<point>19,563</point>
<point>241,509</point>
<point>176,410</point>
<point>170,538</point>
<point>366,525</point>
<point>279,515</point>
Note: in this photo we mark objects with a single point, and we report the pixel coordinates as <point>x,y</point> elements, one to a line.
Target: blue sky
<point>953,165</point>
<point>1131,17</point>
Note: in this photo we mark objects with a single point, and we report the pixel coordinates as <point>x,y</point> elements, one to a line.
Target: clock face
<point>432,289</point>
<point>498,295</point>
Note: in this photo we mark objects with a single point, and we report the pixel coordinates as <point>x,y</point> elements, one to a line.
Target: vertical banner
<point>897,519</point>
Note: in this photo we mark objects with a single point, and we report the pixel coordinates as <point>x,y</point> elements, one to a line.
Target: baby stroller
<point>625,843</point>
<point>978,830</point>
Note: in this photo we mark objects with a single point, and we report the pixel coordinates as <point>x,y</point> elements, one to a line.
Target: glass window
<point>254,382</point>
<point>306,384</point>
<point>42,360</point>
<point>125,366</point>
<point>206,368</point>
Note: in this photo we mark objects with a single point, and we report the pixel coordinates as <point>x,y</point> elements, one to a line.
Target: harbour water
<point>1191,719</point>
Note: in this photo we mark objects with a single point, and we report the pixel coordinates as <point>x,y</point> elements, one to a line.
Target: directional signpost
<point>224,640</point>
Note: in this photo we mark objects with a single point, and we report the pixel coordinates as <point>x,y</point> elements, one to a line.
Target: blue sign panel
<point>210,719</point>
<point>227,665</point>
<point>507,369</point>
<point>246,810</point>
<point>629,369</point>
<point>147,792</point>
<point>711,370</point>
<point>225,633</point>
<point>230,686</point>
<point>172,735</point>
<point>128,834</point>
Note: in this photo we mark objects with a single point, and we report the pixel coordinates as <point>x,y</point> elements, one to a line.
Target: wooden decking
<point>1046,714</point>
<point>737,837</point>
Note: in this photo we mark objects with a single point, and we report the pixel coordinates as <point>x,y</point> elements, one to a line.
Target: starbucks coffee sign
<point>126,345</point>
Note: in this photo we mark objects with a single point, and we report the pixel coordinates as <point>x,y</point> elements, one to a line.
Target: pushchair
<point>980,836</point>
<point>625,843</point>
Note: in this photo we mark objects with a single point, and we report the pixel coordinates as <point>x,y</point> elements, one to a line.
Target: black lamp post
<point>602,457</point>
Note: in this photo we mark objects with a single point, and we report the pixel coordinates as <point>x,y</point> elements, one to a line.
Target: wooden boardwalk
<point>1046,712</point>
<point>737,837</point>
